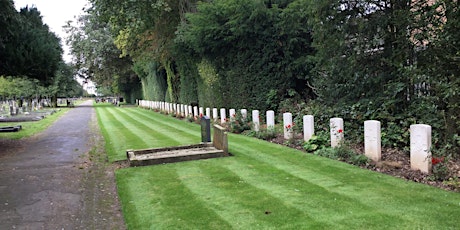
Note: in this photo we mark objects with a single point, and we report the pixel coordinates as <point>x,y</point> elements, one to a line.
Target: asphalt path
<point>49,181</point>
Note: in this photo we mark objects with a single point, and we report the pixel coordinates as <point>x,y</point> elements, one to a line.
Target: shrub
<point>316,142</point>
<point>343,153</point>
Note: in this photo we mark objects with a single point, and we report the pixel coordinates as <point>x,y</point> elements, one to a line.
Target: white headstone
<point>208,112</point>
<point>244,113</point>
<point>336,125</point>
<point>270,120</point>
<point>195,111</point>
<point>256,120</point>
<point>372,140</point>
<point>308,127</point>
<point>232,114</point>
<point>420,145</point>
<point>288,126</point>
<point>190,111</point>
<point>201,112</point>
<point>215,115</point>
<point>223,116</point>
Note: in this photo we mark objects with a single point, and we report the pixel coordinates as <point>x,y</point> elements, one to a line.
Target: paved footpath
<point>48,182</point>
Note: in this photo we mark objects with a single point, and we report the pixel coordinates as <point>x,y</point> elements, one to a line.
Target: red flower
<point>288,126</point>
<point>234,115</point>
<point>201,115</point>
<point>340,131</point>
<point>436,161</point>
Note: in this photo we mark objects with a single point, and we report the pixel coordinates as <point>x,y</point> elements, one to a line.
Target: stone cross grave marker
<point>205,129</point>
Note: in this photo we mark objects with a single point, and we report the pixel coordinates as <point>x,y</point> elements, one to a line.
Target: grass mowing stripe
<point>235,200</point>
<point>180,125</point>
<point>375,189</point>
<point>118,128</point>
<point>167,204</point>
<point>304,196</point>
<point>236,209</point>
<point>149,132</point>
<point>159,127</point>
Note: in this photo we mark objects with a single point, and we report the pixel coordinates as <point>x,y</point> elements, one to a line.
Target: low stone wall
<point>219,139</point>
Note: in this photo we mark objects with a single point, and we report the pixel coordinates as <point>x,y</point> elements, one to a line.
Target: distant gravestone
<point>232,114</point>
<point>244,113</point>
<point>271,120</point>
<point>205,129</point>
<point>195,111</point>
<point>256,120</point>
<point>208,112</point>
<point>215,116</point>
<point>223,116</point>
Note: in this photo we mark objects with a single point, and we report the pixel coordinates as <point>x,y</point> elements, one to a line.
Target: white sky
<point>55,14</point>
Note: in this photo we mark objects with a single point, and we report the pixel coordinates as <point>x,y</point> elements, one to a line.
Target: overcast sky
<point>55,14</point>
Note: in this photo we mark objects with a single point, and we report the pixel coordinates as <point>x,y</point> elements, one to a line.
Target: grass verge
<point>263,186</point>
<point>32,127</point>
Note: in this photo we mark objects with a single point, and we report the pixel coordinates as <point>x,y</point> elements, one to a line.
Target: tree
<point>252,49</point>
<point>30,49</point>
<point>97,58</point>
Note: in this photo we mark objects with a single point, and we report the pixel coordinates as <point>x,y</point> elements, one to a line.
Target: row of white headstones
<point>420,134</point>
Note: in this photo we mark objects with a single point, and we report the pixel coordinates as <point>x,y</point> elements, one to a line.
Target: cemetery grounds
<point>262,186</point>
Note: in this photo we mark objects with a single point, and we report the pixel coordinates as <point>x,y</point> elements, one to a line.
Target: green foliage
<point>230,35</point>
<point>27,46</point>
<point>317,142</point>
<point>97,58</point>
<point>153,81</point>
<point>343,153</point>
<point>209,85</point>
<point>21,87</point>
<point>239,124</point>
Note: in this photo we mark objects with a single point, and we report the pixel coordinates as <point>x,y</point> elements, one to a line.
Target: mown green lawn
<point>263,186</point>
